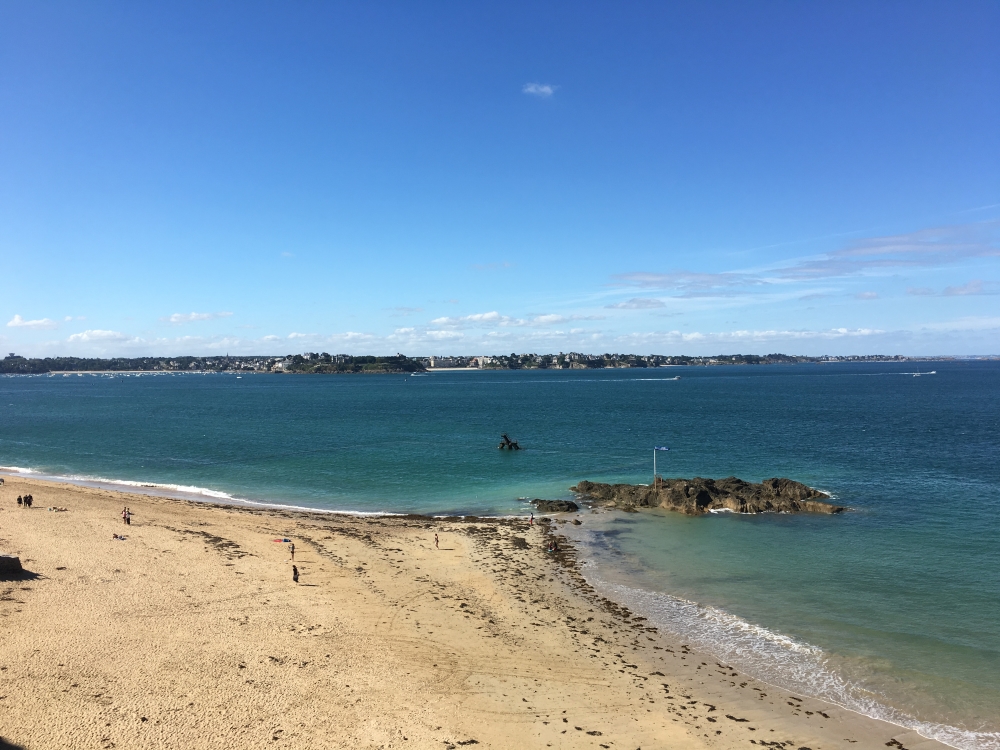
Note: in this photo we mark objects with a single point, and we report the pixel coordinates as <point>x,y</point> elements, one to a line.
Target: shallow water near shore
<point>894,606</point>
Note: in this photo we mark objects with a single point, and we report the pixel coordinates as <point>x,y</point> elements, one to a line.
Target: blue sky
<point>478,178</point>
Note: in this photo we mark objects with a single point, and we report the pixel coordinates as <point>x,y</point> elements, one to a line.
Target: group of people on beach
<point>26,501</point>
<point>126,516</point>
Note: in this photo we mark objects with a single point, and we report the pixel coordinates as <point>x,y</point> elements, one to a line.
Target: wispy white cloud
<point>193,317</point>
<point>541,90</point>
<point>97,335</point>
<point>493,318</point>
<point>690,281</point>
<point>877,256</point>
<point>866,295</point>
<point>42,323</point>
<point>960,325</point>
<point>926,248</point>
<point>637,303</point>
<point>745,336</point>
<point>973,287</point>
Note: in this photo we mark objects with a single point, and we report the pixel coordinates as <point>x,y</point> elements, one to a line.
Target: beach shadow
<point>5,745</point>
<point>22,575</point>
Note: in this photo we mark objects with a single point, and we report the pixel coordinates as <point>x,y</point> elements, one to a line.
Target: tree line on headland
<point>312,362</point>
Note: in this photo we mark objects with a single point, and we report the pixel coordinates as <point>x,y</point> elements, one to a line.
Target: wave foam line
<point>776,658</point>
<point>182,491</point>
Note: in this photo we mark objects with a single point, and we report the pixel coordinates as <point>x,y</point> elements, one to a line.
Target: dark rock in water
<point>507,444</point>
<point>555,506</point>
<point>699,495</point>
<point>10,565</point>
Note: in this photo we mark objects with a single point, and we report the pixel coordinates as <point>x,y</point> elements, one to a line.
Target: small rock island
<point>697,496</point>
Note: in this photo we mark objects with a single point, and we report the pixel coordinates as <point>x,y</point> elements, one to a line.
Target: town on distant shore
<point>311,362</point>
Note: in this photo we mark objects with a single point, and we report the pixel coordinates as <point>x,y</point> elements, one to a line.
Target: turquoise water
<point>892,609</point>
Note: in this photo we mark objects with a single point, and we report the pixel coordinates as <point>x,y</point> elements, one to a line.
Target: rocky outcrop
<point>555,506</point>
<point>10,565</point>
<point>698,495</point>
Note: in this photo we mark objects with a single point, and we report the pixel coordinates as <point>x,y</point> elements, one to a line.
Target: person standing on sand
<point>128,517</point>
<point>124,514</point>
<point>436,542</point>
<point>531,521</point>
<point>19,503</point>
<point>295,574</point>
<point>291,548</point>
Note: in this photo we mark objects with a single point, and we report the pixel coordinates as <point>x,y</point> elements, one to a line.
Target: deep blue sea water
<point>892,609</point>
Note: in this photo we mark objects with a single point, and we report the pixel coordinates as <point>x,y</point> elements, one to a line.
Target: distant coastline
<point>319,364</point>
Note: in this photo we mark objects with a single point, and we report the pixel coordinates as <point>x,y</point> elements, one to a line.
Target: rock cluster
<point>554,506</point>
<point>699,495</point>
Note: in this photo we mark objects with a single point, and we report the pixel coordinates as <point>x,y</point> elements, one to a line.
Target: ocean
<point>891,609</point>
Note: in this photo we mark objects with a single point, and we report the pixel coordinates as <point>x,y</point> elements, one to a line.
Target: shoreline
<point>527,641</point>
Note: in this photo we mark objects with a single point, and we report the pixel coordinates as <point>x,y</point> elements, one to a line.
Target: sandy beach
<point>190,633</point>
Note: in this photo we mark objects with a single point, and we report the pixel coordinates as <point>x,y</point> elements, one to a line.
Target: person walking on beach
<point>436,542</point>
<point>291,548</point>
<point>531,521</point>
<point>124,514</point>
<point>295,574</point>
<point>128,517</point>
<point>19,502</point>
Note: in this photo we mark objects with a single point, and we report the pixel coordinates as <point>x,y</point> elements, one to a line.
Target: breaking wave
<point>775,658</point>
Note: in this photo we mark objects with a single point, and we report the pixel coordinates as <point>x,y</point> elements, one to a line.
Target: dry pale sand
<point>191,634</point>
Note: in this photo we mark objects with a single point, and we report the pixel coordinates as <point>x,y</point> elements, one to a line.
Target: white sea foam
<point>775,658</point>
<point>181,491</point>
<point>16,470</point>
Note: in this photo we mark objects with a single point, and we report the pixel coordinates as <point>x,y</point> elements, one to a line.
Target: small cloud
<point>546,320</point>
<point>637,303</point>
<point>18,322</point>
<point>973,287</point>
<point>444,335</point>
<point>404,331</point>
<point>287,255</point>
<point>541,90</point>
<point>481,318</point>
<point>98,335</point>
<point>866,295</point>
<point>192,317</point>
<point>691,283</point>
<point>299,335</point>
<point>920,291</point>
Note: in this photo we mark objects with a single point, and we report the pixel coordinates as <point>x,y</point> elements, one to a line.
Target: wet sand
<point>190,633</point>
